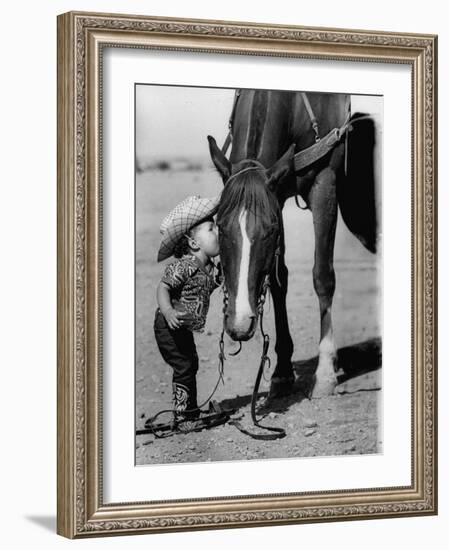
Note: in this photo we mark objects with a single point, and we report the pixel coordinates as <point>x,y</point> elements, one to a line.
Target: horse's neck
<point>261,126</point>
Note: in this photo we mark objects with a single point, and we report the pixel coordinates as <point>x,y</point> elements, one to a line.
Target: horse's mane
<point>248,190</point>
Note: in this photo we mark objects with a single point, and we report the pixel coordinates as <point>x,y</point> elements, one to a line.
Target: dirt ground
<point>348,422</point>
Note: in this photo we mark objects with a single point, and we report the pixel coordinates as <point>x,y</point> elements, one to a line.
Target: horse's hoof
<point>280,387</point>
<point>324,388</point>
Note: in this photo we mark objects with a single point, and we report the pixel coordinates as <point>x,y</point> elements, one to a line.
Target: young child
<point>190,234</point>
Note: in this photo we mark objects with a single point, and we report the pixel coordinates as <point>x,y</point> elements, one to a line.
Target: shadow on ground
<point>353,362</point>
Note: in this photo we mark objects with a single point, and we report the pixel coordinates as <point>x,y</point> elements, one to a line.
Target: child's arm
<point>165,305</point>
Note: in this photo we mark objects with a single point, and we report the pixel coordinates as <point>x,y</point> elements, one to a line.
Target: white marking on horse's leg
<point>327,355</point>
<point>327,334</point>
<point>323,202</point>
<point>325,373</point>
<point>242,306</point>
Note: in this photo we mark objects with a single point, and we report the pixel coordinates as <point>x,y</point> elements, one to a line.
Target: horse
<point>268,129</point>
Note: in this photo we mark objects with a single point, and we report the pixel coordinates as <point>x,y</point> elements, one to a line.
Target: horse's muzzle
<point>242,330</point>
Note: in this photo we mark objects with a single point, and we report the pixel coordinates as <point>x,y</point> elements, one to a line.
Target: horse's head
<point>249,220</point>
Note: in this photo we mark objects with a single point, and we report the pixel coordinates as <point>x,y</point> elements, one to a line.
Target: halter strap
<point>243,170</point>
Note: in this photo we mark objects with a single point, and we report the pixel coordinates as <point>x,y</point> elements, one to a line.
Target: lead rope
<point>150,427</point>
<point>278,433</point>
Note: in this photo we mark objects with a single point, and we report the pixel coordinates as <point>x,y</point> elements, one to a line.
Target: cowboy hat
<point>183,217</point>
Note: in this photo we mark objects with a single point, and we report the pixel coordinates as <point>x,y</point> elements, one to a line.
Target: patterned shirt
<point>191,285</point>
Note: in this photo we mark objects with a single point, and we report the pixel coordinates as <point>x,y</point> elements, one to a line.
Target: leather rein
<point>276,432</point>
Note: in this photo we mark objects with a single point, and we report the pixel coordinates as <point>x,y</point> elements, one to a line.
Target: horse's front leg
<point>323,204</point>
<point>283,377</point>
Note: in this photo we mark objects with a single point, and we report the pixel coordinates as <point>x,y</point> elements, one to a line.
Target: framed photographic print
<point>246,274</point>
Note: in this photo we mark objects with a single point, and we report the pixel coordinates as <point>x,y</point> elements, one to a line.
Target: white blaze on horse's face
<point>243,313</point>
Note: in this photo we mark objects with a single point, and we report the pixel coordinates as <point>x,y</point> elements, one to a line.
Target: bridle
<point>277,433</point>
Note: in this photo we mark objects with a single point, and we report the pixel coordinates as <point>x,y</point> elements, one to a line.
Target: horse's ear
<point>281,167</point>
<point>222,164</point>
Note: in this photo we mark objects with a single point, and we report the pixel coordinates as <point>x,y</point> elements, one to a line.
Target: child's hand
<point>171,316</point>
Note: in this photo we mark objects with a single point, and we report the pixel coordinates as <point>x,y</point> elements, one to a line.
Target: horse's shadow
<point>353,362</point>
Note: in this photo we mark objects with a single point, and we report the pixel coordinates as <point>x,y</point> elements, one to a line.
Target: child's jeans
<point>178,349</point>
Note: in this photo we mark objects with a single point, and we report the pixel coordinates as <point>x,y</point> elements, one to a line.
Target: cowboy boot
<point>184,402</point>
<point>188,417</point>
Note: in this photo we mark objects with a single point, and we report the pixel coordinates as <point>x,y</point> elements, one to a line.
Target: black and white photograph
<point>258,274</point>
<point>224,258</point>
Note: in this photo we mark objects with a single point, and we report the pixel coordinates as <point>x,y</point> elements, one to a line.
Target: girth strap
<point>318,150</point>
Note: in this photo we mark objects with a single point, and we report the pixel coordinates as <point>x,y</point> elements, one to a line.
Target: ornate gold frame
<point>81,36</point>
